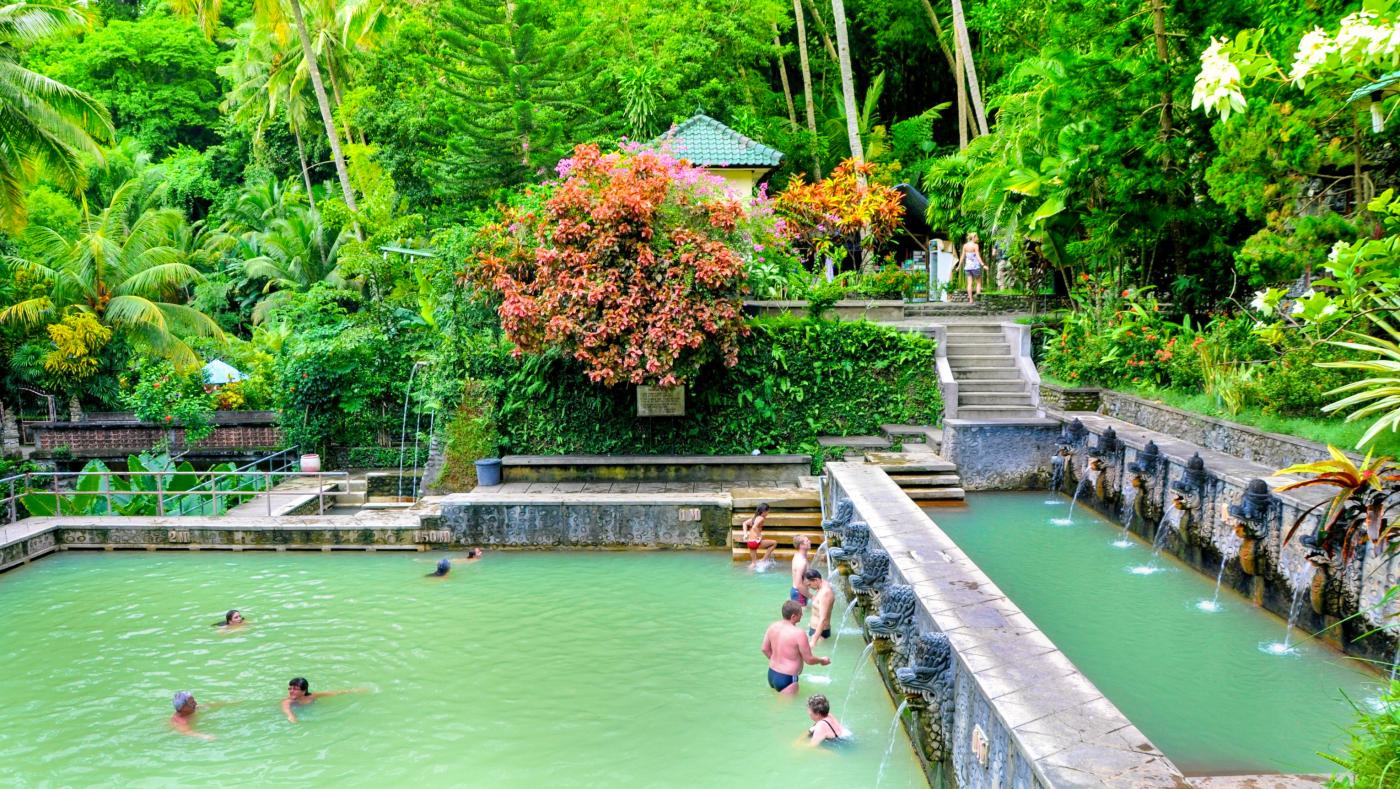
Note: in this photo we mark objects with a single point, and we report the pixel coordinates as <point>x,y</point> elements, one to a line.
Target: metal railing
<point>258,478</point>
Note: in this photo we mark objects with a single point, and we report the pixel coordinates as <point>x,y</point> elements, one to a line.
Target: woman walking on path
<point>971,263</point>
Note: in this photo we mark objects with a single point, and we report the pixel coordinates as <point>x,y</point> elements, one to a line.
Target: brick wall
<point>235,430</point>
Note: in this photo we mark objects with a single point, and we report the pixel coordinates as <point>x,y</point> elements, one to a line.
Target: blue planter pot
<point>488,472</point>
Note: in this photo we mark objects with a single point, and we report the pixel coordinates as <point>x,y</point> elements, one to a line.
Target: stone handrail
<point>1018,336</point>
<point>947,384</point>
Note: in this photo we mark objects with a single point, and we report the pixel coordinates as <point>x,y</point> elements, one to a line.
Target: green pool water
<point>1195,682</point>
<point>525,670</point>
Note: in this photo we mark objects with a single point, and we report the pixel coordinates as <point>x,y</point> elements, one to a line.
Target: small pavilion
<point>704,141</point>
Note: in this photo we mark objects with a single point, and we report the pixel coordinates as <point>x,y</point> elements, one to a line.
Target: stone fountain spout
<point>835,526</point>
<point>855,540</point>
<point>872,570</point>
<point>1075,433</point>
<point>927,683</point>
<point>1059,461</point>
<point>1109,443</point>
<point>1187,494</point>
<point>1096,474</point>
<point>896,614</point>
<point>1251,518</point>
<point>1323,592</point>
<point>1146,463</point>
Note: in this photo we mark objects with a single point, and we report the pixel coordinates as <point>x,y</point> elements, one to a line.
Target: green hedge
<point>796,379</point>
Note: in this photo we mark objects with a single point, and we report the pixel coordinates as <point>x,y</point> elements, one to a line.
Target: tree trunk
<point>938,34</point>
<point>962,99</point>
<point>848,86</point>
<point>822,31</point>
<point>1159,32</point>
<point>782,74</point>
<point>305,173</point>
<point>807,85</point>
<point>75,409</point>
<point>964,45</point>
<point>339,102</point>
<point>321,101</point>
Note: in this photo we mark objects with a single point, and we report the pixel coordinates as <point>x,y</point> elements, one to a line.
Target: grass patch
<point>1337,432</point>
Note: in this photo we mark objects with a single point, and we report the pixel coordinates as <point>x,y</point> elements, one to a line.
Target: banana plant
<point>1357,513</point>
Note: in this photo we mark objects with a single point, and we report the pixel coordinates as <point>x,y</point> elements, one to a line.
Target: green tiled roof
<point>705,141</point>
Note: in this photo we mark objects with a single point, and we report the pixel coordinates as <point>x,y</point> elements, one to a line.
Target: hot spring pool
<point>526,670</point>
<point>1195,682</point>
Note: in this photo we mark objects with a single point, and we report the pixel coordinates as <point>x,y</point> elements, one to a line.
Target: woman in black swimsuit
<point>826,729</point>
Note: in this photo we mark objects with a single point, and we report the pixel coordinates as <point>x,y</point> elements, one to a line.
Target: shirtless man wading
<point>787,650</point>
<point>800,563</point>
<point>823,597</point>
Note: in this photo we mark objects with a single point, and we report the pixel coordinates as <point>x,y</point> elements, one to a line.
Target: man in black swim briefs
<point>787,650</point>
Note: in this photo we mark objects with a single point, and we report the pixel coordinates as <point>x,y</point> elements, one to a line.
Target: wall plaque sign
<point>656,401</point>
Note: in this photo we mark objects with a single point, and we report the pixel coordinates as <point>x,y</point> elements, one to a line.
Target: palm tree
<point>205,13</point>
<point>124,265</point>
<point>271,15</point>
<point>848,83</point>
<point>297,251</point>
<point>267,77</point>
<point>807,85</point>
<point>44,124</point>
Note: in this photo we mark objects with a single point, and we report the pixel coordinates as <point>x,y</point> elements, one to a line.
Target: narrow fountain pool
<point>1195,682</point>
<point>524,670</point>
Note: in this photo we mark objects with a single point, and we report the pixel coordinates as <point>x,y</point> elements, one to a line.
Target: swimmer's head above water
<point>233,617</point>
<point>443,567</point>
<point>818,707</point>
<point>184,702</point>
<point>298,688</point>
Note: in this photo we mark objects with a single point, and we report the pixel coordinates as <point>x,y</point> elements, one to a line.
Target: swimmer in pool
<point>444,566</point>
<point>753,537</point>
<point>183,719</point>
<point>299,695</point>
<point>800,564</point>
<point>823,598</point>
<point>787,650</point>
<point>825,729</point>
<point>232,619</point>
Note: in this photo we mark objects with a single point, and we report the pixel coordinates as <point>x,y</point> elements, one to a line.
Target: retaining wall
<point>994,703</point>
<point>233,430</point>
<point>588,520</point>
<point>781,469</point>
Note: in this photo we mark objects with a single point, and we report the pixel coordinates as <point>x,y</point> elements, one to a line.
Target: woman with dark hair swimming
<point>232,619</point>
<point>299,695</point>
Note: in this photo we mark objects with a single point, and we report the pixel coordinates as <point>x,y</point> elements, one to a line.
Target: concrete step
<point>784,537</point>
<point>349,499</point>
<point>745,499</point>
<point>1007,373</point>
<point>897,463</point>
<point>997,412</point>
<point>780,519</point>
<point>927,480</point>
<point>969,386</point>
<point>961,330</point>
<point>982,361</point>
<point>960,347</point>
<point>782,558</point>
<point>854,442</point>
<point>387,505</point>
<point>910,434</point>
<point>935,494</point>
<point>979,399</point>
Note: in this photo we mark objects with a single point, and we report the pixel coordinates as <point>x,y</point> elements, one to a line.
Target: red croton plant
<point>629,265</point>
<point>844,205</point>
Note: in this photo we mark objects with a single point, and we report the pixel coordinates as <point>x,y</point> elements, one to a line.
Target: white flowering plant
<point>1366,44</point>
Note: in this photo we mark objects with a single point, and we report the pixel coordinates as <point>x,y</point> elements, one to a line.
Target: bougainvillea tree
<point>629,264</point>
<point>847,206</point>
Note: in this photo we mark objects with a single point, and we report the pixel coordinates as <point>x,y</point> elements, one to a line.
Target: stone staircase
<point>989,384</point>
<point>924,476</point>
<point>798,512</point>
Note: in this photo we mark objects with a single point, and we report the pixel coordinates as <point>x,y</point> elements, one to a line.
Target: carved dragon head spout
<point>836,524</point>
<point>930,665</point>
<point>1062,455</point>
<point>896,610</point>
<point>872,573</point>
<point>1252,512</point>
<point>855,540</point>
<point>1074,434</point>
<point>1145,465</point>
<point>1188,491</point>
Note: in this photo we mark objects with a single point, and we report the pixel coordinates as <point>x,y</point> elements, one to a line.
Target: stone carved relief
<point>872,570</point>
<point>927,680</point>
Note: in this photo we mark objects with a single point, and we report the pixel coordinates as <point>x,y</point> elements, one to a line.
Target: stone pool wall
<point>993,703</point>
<point>583,519</point>
<point>999,454</point>
<point>1187,505</point>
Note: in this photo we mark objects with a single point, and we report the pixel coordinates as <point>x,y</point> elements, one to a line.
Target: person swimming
<point>299,695</point>
<point>183,719</point>
<point>231,619</point>
<point>444,566</point>
<point>826,729</point>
